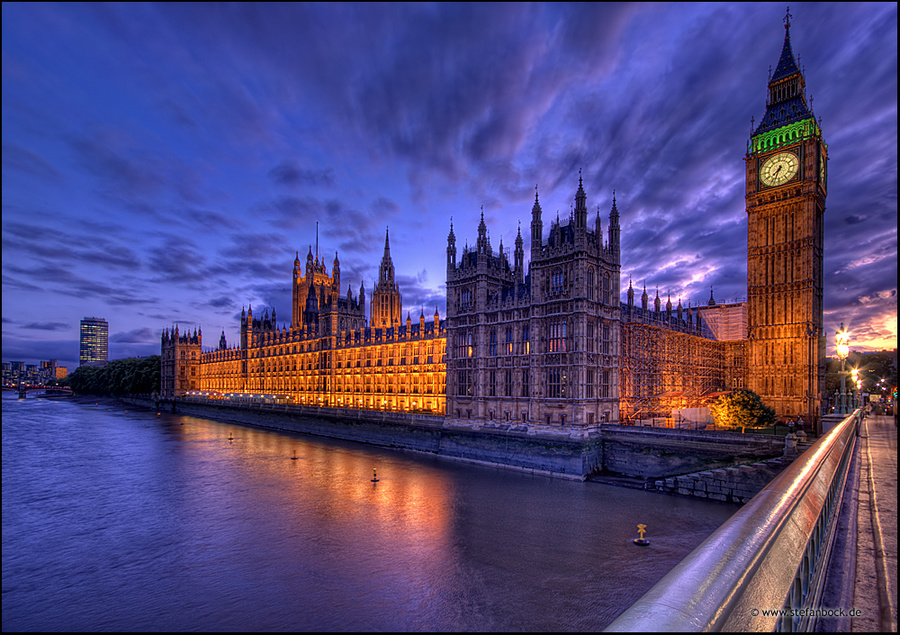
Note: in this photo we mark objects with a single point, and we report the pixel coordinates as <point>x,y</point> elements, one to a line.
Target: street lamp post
<point>842,347</point>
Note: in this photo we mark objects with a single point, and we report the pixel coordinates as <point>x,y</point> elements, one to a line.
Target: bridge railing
<point>764,568</point>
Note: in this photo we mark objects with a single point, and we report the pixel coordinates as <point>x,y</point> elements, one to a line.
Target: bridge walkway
<point>863,570</point>
<point>876,557</point>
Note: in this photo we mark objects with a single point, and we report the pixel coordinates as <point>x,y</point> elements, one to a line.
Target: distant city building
<point>554,345</point>
<point>11,371</point>
<point>51,371</point>
<point>94,340</point>
<point>15,373</point>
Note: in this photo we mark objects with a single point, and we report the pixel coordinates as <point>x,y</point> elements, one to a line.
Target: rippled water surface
<point>119,519</point>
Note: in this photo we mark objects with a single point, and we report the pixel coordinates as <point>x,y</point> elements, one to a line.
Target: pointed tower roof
<point>386,270</point>
<point>786,103</point>
<point>484,243</point>
<point>787,65</point>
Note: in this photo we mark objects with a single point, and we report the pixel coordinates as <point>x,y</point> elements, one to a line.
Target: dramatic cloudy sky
<point>162,164</point>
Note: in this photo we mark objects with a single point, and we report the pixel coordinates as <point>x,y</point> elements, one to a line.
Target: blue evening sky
<point>164,163</point>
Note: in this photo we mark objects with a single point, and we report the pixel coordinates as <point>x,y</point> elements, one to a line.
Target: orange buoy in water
<point>640,542</point>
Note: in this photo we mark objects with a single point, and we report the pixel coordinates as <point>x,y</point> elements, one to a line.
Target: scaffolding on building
<point>664,370</point>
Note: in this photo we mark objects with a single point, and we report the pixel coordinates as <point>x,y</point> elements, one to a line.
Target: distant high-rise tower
<point>94,349</point>
<point>786,184</point>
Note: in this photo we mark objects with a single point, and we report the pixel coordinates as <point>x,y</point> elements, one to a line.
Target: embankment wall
<point>645,453</point>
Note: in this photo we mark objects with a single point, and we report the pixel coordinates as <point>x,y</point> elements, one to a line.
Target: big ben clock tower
<point>786,186</point>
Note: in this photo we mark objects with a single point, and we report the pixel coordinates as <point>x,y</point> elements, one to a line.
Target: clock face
<point>779,169</point>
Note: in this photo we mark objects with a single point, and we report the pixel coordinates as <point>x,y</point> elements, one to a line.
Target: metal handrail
<point>769,556</point>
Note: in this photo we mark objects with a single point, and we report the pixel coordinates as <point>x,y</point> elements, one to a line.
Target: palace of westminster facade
<point>555,345</point>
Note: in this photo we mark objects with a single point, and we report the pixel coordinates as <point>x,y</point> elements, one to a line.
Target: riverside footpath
<point>863,573</point>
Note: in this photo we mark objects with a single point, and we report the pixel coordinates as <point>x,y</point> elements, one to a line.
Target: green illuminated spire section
<point>784,135</point>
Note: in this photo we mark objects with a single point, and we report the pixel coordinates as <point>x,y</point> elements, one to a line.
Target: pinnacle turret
<point>537,226</point>
<point>484,245</point>
<point>451,248</point>
<point>580,212</point>
<point>614,230</point>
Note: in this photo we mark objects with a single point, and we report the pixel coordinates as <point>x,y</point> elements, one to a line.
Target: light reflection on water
<point>116,520</point>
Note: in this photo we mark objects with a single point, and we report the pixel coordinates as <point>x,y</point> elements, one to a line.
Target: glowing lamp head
<point>842,342</point>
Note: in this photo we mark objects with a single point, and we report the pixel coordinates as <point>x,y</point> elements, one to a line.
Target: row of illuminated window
<point>412,384</point>
<point>265,347</point>
<point>400,352</point>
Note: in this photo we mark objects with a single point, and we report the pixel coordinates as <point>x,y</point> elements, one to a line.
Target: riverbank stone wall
<point>571,452</point>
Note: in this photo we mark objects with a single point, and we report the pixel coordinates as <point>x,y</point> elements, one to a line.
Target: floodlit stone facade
<point>328,357</point>
<point>543,347</point>
<point>552,344</point>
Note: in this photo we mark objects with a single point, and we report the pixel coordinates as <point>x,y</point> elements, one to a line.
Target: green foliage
<point>742,409</point>
<point>132,376</point>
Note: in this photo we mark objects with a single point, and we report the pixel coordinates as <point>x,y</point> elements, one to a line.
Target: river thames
<point>125,520</point>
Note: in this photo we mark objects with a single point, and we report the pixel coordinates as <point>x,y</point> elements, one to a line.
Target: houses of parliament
<point>549,342</point>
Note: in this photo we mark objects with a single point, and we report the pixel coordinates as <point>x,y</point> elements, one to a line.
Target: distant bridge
<point>45,391</point>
